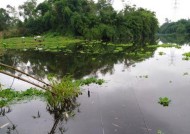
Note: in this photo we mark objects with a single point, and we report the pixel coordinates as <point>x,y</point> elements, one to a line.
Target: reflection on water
<point>79,62</point>
<point>126,103</point>
<point>175,38</point>
<point>21,120</point>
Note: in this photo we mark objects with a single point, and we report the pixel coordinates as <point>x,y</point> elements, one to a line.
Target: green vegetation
<point>159,132</point>
<point>187,56</point>
<point>64,92</point>
<point>180,27</point>
<point>165,101</point>
<point>161,53</point>
<point>49,43</point>
<point>81,18</point>
<point>91,80</point>
<point>4,20</point>
<point>179,39</point>
<point>165,46</point>
<point>69,60</point>
<point>9,96</point>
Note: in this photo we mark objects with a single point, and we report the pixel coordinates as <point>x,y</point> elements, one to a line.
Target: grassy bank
<point>29,42</point>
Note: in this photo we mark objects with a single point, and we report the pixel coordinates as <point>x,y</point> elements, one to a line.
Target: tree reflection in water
<point>61,114</point>
<point>81,62</point>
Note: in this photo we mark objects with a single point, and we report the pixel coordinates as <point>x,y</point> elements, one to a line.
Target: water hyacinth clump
<point>187,56</point>
<point>165,101</point>
<point>10,96</point>
<point>91,80</point>
<point>161,53</point>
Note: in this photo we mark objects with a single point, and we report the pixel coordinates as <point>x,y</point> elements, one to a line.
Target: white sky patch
<point>14,3</point>
<point>162,8</point>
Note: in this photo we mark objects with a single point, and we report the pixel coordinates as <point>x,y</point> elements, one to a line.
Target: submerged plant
<point>161,53</point>
<point>159,132</point>
<point>186,73</point>
<point>143,76</point>
<point>164,101</point>
<point>91,80</point>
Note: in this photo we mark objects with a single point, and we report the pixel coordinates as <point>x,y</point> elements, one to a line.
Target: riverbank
<point>30,42</point>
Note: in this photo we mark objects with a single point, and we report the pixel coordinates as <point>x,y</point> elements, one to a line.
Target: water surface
<point>126,103</point>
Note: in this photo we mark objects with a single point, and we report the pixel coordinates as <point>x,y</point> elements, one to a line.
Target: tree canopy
<point>4,19</point>
<point>90,20</point>
<point>180,27</point>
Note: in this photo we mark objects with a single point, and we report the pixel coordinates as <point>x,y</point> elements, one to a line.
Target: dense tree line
<point>87,19</point>
<point>4,19</point>
<point>180,27</point>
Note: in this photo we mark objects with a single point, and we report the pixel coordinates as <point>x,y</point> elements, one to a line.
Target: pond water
<point>126,104</point>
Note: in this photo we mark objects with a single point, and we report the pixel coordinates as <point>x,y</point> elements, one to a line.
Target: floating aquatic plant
<point>91,80</point>
<point>187,56</point>
<point>165,46</point>
<point>165,101</point>
<point>143,76</point>
<point>161,53</point>
<point>159,132</point>
<point>8,96</point>
<point>186,73</point>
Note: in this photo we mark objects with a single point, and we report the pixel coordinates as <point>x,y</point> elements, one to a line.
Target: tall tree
<point>27,10</point>
<point>4,19</point>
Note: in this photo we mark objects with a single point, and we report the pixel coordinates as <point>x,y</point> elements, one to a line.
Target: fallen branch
<point>17,77</point>
<point>4,65</point>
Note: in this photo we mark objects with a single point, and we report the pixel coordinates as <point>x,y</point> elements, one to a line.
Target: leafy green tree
<point>90,20</point>
<point>4,19</point>
<point>180,27</point>
<point>27,10</point>
<point>14,15</point>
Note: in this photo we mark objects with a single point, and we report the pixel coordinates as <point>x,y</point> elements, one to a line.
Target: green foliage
<point>161,53</point>
<point>64,91</point>
<point>159,132</point>
<point>4,19</point>
<point>27,10</point>
<point>91,80</point>
<point>165,46</point>
<point>180,27</point>
<point>8,96</point>
<point>49,44</point>
<point>87,19</point>
<point>179,39</point>
<point>165,101</point>
<point>187,56</point>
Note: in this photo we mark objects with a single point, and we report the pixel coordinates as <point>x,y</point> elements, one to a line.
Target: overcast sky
<point>162,8</point>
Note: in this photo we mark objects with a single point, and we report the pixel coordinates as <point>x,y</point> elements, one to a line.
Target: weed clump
<point>91,80</point>
<point>9,96</point>
<point>161,53</point>
<point>187,56</point>
<point>165,101</point>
